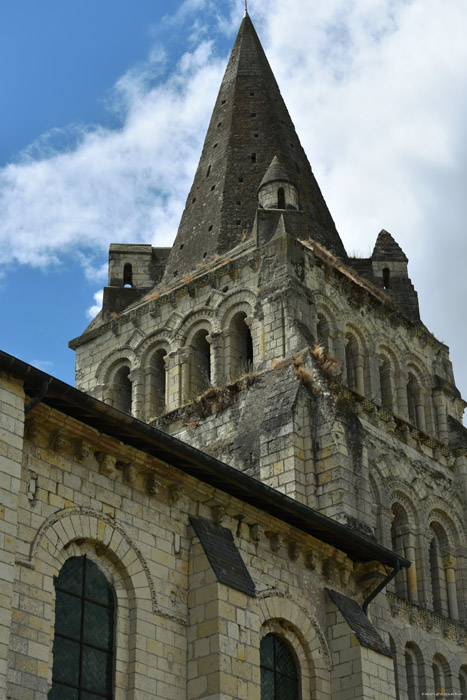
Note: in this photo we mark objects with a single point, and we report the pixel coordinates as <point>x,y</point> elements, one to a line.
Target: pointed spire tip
<point>246,9</point>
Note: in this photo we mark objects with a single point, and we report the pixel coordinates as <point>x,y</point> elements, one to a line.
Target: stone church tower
<point>258,340</point>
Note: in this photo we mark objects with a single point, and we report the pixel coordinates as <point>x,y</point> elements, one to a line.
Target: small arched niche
<point>200,370</point>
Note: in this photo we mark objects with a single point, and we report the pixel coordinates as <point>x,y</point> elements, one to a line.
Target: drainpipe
<point>382,585</point>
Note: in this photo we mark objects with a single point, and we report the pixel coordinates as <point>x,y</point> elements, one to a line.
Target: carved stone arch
<point>231,299</point>
<point>280,614</point>
<point>204,318</point>
<point>406,497</point>
<point>229,311</point>
<point>107,537</point>
<point>438,513</point>
<point>395,358</point>
<point>158,340</point>
<point>122,355</point>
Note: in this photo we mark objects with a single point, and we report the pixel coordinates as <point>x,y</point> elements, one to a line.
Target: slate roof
<point>386,248</point>
<point>249,125</point>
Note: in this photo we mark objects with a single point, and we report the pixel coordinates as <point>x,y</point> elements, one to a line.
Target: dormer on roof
<point>277,189</point>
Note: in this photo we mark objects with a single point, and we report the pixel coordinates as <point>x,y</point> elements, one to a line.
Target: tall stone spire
<point>249,125</point>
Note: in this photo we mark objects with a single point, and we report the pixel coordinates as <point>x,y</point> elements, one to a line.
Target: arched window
<point>438,548</point>
<point>441,675</point>
<point>280,198</point>
<point>83,643</point>
<point>241,345</point>
<point>157,383</point>
<point>463,681</point>
<point>200,363</point>
<point>322,332</point>
<point>127,275</point>
<point>122,390</point>
<point>385,383</point>
<point>413,671</point>
<point>279,673</point>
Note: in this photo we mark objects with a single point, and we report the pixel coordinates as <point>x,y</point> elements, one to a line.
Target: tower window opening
<point>252,94</point>
<point>157,379</point>
<point>127,275</point>
<point>181,246</point>
<point>208,171</point>
<point>241,346</point>
<point>220,124</point>
<point>240,179</point>
<point>253,157</point>
<point>193,200</point>
<point>209,229</point>
<point>205,253</point>
<point>213,188</point>
<point>386,278</point>
<point>280,198</point>
<point>200,363</point>
<point>256,135</point>
<point>253,115</point>
<point>238,202</point>
<point>223,102</point>
<point>239,222</point>
<point>123,390</point>
<point>215,145</point>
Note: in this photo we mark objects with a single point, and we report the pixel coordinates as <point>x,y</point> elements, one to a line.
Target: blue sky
<point>104,109</point>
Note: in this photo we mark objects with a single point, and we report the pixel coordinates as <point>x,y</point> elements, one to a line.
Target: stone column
<point>450,567</point>
<point>137,399</point>
<point>410,554</point>
<point>218,375</point>
<point>421,412</point>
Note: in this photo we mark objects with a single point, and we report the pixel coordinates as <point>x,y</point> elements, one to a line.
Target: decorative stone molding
<point>218,514</point>
<point>293,550</point>
<point>32,430</point>
<point>153,485</point>
<point>81,451</point>
<point>275,540</point>
<point>58,441</point>
<point>130,472</point>
<point>418,616</point>
<point>31,491</point>
<point>310,561</point>
<point>108,464</point>
<point>175,492</point>
<point>255,532</point>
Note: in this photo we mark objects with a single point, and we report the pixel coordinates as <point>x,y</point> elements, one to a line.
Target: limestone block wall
<point>11,447</point>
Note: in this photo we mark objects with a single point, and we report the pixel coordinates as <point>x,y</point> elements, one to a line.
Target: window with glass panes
<point>83,644</point>
<point>279,676</point>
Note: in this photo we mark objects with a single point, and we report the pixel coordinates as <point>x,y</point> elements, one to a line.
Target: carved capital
<point>310,561</point>
<point>449,562</point>
<point>130,472</point>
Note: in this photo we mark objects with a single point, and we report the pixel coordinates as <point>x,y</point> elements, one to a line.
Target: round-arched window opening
<point>386,278</point>
<point>279,673</point>
<point>127,275</point>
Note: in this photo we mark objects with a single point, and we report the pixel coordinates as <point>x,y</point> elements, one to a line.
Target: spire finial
<point>246,9</point>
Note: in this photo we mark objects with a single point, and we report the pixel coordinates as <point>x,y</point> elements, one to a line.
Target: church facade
<point>257,488</point>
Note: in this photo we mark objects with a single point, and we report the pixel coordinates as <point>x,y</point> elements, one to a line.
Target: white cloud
<point>377,90</point>
<point>93,310</point>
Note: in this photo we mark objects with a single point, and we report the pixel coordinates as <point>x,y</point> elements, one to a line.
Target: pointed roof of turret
<point>276,173</point>
<point>386,248</point>
<point>249,125</point>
